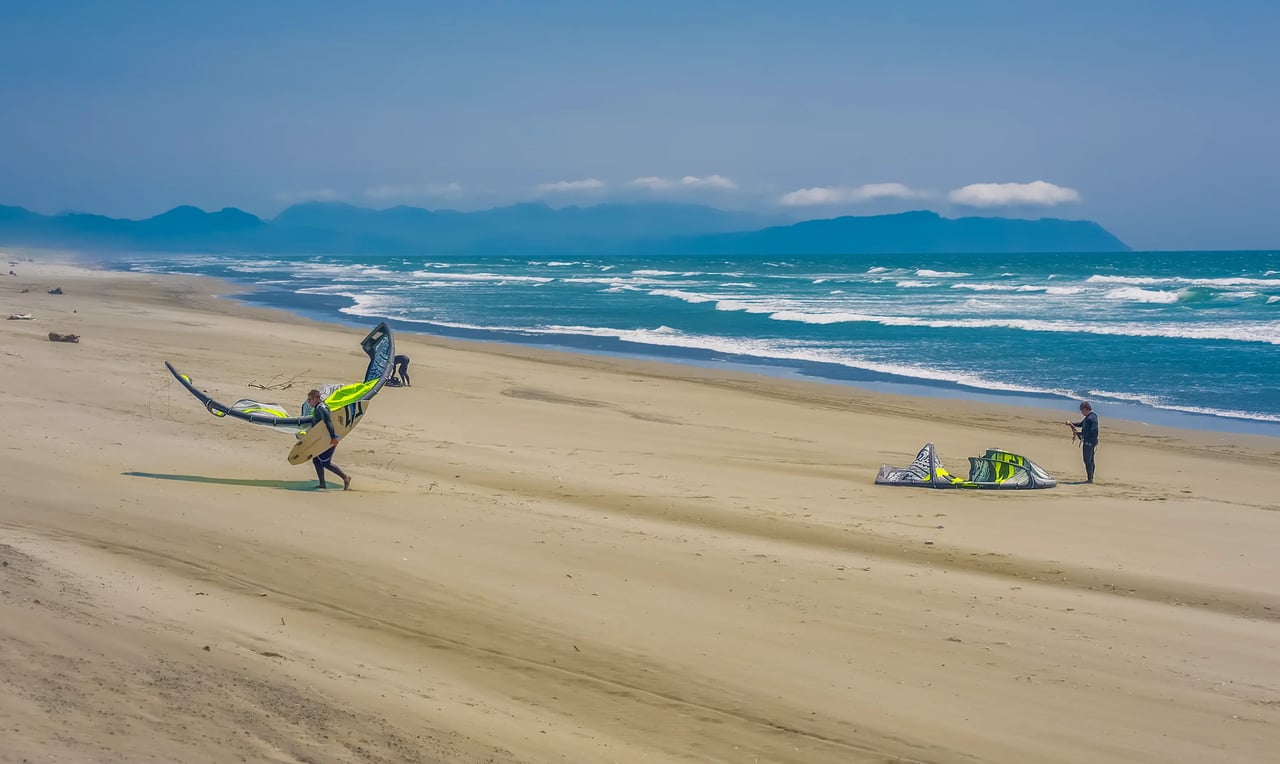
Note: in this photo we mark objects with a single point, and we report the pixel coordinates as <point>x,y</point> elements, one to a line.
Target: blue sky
<point>1156,119</point>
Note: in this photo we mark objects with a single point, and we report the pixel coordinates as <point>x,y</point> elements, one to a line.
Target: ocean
<point>1188,339</point>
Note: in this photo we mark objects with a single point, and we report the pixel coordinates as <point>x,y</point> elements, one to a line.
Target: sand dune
<point>547,557</point>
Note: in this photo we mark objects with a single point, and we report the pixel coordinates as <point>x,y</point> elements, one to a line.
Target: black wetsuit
<point>325,460</point>
<point>402,369</point>
<point>1089,441</point>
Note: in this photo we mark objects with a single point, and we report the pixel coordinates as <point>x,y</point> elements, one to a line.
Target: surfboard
<point>315,441</point>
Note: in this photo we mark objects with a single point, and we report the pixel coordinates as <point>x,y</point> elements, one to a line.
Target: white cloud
<point>311,195</point>
<point>655,183</point>
<point>1003,194</point>
<point>710,181</point>
<point>587,184</point>
<point>405,192</point>
<point>848,194</point>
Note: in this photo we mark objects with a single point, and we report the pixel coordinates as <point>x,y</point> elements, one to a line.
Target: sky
<point>1157,119</point>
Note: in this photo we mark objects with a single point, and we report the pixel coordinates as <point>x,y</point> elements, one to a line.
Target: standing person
<point>1087,429</point>
<point>402,369</point>
<point>320,413</point>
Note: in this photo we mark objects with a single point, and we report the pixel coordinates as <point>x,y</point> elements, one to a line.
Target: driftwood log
<point>55,337</point>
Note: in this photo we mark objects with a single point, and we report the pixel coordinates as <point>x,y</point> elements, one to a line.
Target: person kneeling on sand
<point>320,413</point>
<point>401,374</point>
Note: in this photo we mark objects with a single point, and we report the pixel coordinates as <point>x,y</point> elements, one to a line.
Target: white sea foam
<point>635,282</point>
<point>925,273</point>
<point>1130,397</point>
<point>738,305</point>
<point>1134,294</point>
<point>1273,299</point>
<point>681,295</point>
<point>481,277</point>
<point>255,266</point>
<point>374,305</point>
<point>439,284</point>
<point>1000,287</point>
<point>1220,283</point>
<point>1267,332</point>
<point>340,289</point>
<point>612,280</point>
<point>916,284</point>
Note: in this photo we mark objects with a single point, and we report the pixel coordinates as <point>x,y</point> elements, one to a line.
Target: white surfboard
<point>315,441</point>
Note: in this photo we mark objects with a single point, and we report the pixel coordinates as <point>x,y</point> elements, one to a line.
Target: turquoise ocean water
<point>1189,339</point>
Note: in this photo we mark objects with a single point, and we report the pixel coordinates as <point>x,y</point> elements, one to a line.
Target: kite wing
<point>996,468</point>
<point>378,345</point>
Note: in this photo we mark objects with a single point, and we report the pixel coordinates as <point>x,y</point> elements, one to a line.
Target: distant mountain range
<point>540,230</point>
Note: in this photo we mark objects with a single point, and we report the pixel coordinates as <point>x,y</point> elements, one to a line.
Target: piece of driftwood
<point>56,290</point>
<point>20,317</point>
<point>55,337</point>
<point>276,385</point>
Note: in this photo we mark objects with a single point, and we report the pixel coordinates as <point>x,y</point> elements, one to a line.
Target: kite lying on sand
<point>347,403</point>
<point>996,468</point>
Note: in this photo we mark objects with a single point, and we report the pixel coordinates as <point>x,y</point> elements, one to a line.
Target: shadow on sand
<point>284,485</point>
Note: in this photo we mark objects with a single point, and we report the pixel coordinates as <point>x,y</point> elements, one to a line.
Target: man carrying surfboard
<point>320,413</point>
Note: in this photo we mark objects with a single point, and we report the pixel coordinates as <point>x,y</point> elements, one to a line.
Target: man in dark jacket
<point>1087,430</point>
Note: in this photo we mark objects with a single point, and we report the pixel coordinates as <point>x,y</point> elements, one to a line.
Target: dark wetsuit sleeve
<point>1088,428</point>
<point>321,414</point>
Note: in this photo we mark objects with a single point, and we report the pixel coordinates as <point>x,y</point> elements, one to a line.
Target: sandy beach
<point>548,557</point>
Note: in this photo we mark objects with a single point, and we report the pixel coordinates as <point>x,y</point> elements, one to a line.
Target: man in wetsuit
<point>402,369</point>
<point>320,413</point>
<point>1087,430</point>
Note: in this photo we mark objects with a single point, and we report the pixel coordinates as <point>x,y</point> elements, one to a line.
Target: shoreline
<point>329,309</point>
<point>1053,407</point>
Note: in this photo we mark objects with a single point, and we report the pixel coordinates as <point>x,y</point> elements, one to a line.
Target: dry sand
<point>559,558</point>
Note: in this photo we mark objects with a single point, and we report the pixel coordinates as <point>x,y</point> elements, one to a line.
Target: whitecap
<point>928,274</point>
<point>1135,294</point>
<point>692,297</point>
